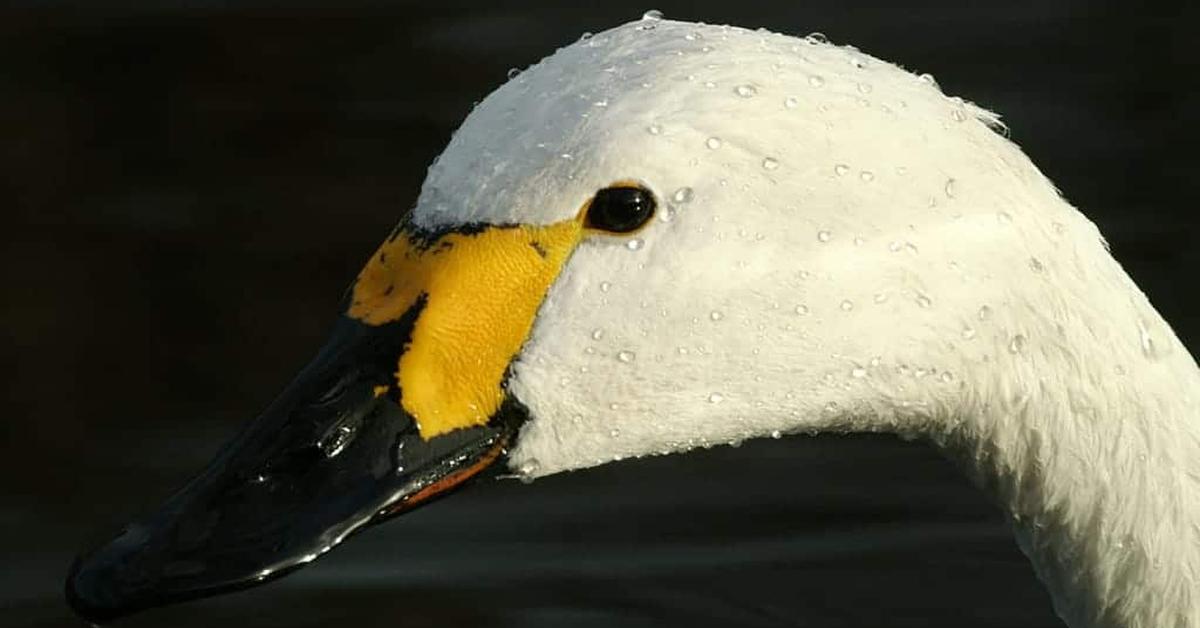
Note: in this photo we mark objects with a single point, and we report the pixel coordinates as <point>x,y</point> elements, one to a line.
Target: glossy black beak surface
<point>333,453</point>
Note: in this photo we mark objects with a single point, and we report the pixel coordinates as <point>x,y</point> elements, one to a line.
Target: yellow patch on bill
<point>482,291</point>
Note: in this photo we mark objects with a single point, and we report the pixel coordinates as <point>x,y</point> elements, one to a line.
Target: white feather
<point>859,253</point>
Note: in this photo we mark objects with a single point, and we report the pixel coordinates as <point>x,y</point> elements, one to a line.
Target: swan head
<point>831,240</point>
<point>668,235</point>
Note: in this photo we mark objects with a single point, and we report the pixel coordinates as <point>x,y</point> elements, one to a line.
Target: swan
<point>672,235</point>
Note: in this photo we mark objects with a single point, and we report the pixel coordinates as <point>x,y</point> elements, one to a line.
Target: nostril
<point>335,390</point>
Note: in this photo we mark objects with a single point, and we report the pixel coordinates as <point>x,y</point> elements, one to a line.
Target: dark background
<point>187,190</point>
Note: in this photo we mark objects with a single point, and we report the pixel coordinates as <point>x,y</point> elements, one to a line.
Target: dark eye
<point>620,209</point>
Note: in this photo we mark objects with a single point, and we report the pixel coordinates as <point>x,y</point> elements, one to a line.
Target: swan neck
<point>1095,454</point>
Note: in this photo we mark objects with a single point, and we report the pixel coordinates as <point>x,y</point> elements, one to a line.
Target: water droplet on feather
<point>745,91</point>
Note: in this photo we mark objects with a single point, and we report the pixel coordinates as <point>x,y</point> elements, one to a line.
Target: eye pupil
<point>620,209</point>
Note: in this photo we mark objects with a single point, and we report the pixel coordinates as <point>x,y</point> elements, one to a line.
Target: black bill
<point>333,453</point>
